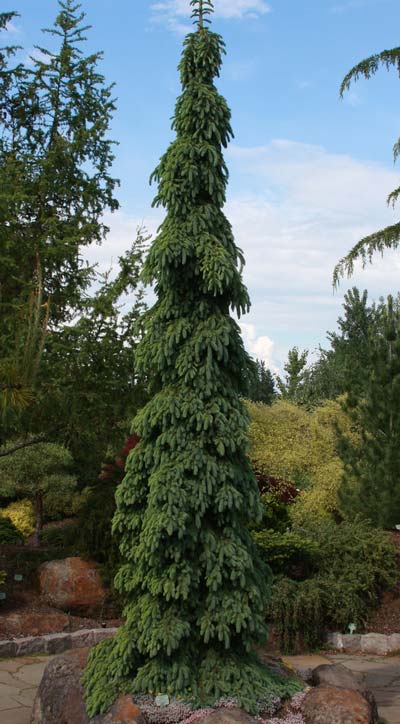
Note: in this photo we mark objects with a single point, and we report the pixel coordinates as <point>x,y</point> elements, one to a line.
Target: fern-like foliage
<point>388,238</point>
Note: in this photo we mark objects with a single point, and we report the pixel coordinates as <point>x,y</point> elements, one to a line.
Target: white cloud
<point>296,209</point>
<point>173,11</point>
<point>123,230</point>
<point>259,347</point>
<point>303,210</point>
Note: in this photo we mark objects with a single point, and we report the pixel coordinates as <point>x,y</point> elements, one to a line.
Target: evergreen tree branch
<point>388,238</point>
<point>369,66</point>
<point>21,445</point>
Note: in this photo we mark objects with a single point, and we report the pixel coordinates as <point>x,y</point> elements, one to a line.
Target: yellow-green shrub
<point>295,444</point>
<point>21,514</point>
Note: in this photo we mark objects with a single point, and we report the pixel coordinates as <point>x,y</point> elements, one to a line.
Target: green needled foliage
<point>388,238</point>
<point>194,586</point>
<point>371,486</point>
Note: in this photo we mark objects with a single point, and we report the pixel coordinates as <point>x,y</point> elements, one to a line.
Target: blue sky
<point>309,173</point>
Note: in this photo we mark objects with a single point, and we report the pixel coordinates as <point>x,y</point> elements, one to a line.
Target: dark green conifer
<point>371,485</point>
<point>262,384</point>
<point>194,587</point>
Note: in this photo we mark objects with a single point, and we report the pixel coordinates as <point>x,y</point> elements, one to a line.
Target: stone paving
<point>20,677</point>
<point>19,680</point>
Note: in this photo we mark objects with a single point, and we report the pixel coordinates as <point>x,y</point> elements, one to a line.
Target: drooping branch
<point>369,67</point>
<point>388,238</point>
<point>21,445</point>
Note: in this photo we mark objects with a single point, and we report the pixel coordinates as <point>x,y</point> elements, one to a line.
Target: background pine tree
<point>194,586</point>
<point>371,485</point>
<point>262,385</point>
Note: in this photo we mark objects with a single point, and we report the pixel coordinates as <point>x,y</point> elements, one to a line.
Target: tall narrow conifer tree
<point>194,587</point>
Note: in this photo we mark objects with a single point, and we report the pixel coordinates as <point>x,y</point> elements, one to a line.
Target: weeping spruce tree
<point>194,587</point>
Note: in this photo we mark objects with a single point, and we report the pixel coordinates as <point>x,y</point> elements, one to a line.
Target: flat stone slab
<point>19,679</point>
<point>304,665</point>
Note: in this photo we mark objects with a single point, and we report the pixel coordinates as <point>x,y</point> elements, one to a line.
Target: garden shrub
<point>22,516</point>
<point>289,552</point>
<point>9,533</point>
<point>294,444</point>
<point>352,564</point>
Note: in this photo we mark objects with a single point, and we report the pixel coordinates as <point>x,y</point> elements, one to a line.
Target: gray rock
<point>82,638</point>
<point>351,643</point>
<point>393,642</point>
<point>7,649</point>
<point>374,643</point>
<point>57,643</point>
<point>100,634</point>
<point>335,639</point>
<point>29,645</point>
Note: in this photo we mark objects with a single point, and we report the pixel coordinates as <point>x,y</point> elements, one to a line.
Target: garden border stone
<point>55,643</point>
<point>370,643</point>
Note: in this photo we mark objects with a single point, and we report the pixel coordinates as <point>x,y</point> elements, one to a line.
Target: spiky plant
<point>194,587</point>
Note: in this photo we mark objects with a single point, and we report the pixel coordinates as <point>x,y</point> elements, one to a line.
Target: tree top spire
<point>200,10</point>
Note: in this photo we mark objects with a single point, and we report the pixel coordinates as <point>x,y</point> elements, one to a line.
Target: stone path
<point>20,677</point>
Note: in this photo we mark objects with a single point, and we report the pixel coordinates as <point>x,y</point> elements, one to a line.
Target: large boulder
<point>59,699</point>
<point>72,584</point>
<point>334,705</point>
<point>340,676</point>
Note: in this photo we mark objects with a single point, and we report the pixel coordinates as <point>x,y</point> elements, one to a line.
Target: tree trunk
<point>38,518</point>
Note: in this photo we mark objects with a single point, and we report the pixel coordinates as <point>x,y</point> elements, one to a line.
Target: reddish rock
<point>72,585</point>
<point>227,716</point>
<point>124,711</point>
<point>33,624</point>
<point>59,699</point>
<point>331,705</point>
<point>340,676</point>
